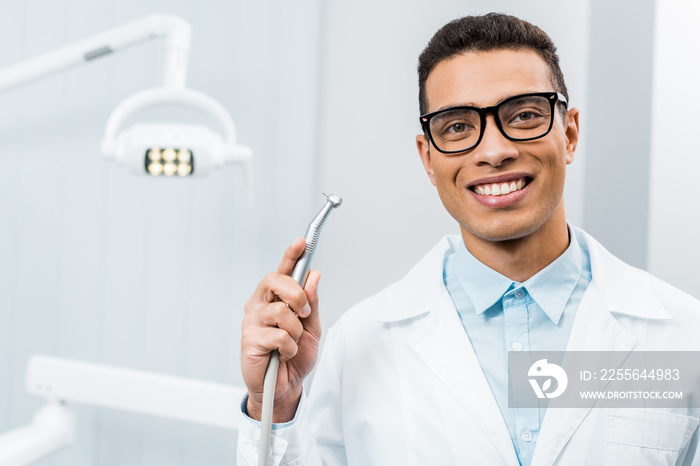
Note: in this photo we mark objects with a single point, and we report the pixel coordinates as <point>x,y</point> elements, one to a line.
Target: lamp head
<point>160,149</point>
<point>174,150</point>
<point>169,161</point>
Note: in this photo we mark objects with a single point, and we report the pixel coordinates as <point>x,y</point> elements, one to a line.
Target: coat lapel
<point>594,329</point>
<point>442,343</point>
<point>616,288</point>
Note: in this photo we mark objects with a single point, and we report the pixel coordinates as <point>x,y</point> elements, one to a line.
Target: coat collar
<point>419,291</point>
<point>623,289</point>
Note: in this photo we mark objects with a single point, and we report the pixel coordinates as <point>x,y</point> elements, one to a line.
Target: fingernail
<point>306,311</point>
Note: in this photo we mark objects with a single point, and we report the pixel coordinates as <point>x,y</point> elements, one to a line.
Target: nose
<point>494,149</point>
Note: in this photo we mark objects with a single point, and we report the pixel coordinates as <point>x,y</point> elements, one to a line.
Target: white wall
<point>103,266</point>
<point>616,210</point>
<point>674,220</point>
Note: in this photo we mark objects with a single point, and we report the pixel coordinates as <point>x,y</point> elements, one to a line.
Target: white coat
<point>398,382</point>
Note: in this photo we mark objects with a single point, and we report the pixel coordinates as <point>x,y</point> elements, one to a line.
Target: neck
<point>521,258</point>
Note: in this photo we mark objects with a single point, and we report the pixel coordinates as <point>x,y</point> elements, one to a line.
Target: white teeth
<point>500,189</point>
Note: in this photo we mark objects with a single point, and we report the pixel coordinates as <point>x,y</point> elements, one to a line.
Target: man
<point>417,375</point>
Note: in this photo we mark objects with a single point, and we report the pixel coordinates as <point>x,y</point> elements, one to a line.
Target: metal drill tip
<point>334,199</point>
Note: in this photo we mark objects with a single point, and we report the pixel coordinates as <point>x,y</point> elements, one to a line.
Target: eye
<point>525,111</point>
<point>524,116</point>
<point>455,124</point>
<point>457,128</point>
<point>527,118</point>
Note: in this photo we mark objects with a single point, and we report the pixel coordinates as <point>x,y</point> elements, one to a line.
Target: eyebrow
<point>473,104</point>
<point>469,104</point>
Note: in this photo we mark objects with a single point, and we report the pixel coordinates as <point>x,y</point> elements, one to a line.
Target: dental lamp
<point>64,380</point>
<point>155,149</point>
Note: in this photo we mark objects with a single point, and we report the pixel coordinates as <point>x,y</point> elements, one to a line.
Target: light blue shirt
<point>500,315</point>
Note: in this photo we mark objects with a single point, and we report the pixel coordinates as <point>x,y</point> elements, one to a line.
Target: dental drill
<point>299,274</point>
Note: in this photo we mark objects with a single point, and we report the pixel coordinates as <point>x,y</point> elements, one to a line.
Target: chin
<point>501,231</point>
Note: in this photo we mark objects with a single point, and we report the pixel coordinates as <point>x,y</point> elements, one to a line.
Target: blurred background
<point>100,265</point>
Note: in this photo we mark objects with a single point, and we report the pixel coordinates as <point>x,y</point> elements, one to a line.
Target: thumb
<point>311,289</point>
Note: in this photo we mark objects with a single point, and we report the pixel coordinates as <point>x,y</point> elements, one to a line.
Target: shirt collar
<point>483,285</point>
<point>551,287</point>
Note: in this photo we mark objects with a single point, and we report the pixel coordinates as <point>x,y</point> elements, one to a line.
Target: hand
<point>270,324</point>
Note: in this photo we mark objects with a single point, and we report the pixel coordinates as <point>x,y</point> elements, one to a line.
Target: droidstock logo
<point>541,369</point>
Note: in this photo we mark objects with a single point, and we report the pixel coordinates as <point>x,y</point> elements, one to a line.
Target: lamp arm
<point>142,392</point>
<point>52,429</point>
<point>177,33</point>
<point>165,95</point>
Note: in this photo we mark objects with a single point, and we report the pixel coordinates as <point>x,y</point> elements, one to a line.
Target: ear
<point>423,146</point>
<point>571,134</point>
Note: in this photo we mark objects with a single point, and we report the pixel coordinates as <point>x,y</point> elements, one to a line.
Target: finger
<point>258,342</point>
<point>291,255</point>
<point>277,287</point>
<point>280,340</point>
<point>311,288</point>
<point>311,292</point>
<point>281,316</point>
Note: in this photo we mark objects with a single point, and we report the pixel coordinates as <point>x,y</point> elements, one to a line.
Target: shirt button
<point>516,346</point>
<point>526,435</point>
<point>519,294</point>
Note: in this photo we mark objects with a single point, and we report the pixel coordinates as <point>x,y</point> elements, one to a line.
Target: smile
<point>500,189</point>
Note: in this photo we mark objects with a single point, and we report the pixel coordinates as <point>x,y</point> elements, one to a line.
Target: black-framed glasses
<point>519,118</point>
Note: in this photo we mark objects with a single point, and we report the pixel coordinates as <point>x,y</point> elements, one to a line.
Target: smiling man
<point>500,107</point>
<point>418,374</point>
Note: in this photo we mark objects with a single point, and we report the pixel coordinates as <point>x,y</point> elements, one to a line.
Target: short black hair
<point>493,31</point>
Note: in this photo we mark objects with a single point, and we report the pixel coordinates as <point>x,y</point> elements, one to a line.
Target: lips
<point>500,188</point>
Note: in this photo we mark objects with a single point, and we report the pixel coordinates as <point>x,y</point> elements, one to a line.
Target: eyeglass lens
<point>523,117</point>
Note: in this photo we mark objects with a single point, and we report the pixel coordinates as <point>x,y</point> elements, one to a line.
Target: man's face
<point>483,79</point>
